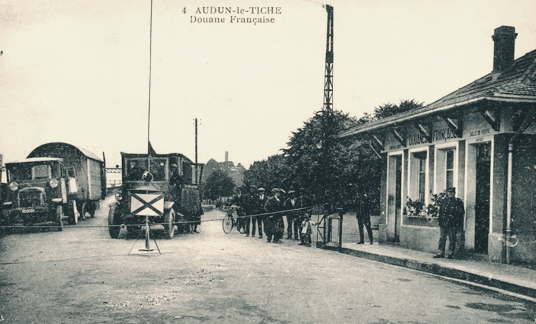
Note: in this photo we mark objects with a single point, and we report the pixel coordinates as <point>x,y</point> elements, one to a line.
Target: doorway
<point>394,194</point>
<point>482,197</point>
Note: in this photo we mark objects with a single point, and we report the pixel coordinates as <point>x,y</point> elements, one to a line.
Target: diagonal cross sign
<point>147,204</point>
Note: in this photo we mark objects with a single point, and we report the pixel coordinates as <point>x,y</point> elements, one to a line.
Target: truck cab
<point>162,187</point>
<point>37,192</point>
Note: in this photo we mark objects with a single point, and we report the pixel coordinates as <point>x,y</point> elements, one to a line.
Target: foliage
<point>274,172</point>
<point>218,184</point>
<point>437,199</point>
<point>332,169</point>
<point>413,207</point>
<point>320,161</point>
<point>389,109</point>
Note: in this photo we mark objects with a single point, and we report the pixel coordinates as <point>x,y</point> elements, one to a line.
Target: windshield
<point>136,168</point>
<point>33,171</point>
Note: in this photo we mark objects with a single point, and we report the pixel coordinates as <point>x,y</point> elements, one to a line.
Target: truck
<point>158,188</point>
<point>56,182</point>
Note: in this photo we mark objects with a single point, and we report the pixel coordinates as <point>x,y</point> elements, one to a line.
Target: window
<point>18,172</point>
<point>40,171</point>
<point>422,178</point>
<point>418,176</point>
<point>70,172</point>
<point>449,168</point>
<point>158,169</point>
<point>445,169</point>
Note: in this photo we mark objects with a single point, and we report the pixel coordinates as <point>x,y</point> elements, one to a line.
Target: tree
<point>320,162</point>
<point>390,109</point>
<point>334,168</point>
<point>274,172</point>
<point>330,168</point>
<point>218,184</point>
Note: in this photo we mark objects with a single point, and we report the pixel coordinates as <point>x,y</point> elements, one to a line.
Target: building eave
<point>395,120</point>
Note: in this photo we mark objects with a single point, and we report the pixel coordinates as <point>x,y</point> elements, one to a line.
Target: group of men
<point>270,211</point>
<point>264,212</point>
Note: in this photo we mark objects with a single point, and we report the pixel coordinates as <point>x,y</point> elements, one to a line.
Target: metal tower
<point>328,77</point>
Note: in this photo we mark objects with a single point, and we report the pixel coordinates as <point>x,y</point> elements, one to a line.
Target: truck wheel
<point>73,218</point>
<point>59,217</point>
<point>169,218</point>
<point>114,217</point>
<point>92,206</point>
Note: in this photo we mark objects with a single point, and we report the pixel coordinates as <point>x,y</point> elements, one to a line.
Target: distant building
<point>235,172</point>
<point>113,177</point>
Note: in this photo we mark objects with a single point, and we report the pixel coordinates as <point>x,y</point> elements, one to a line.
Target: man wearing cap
<point>257,201</point>
<point>274,221</point>
<point>174,177</point>
<point>176,181</point>
<point>451,212</point>
<point>250,210</point>
<point>291,204</point>
<point>363,210</point>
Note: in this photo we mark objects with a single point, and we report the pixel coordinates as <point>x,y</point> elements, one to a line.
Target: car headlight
<point>13,186</point>
<point>53,183</point>
<point>118,197</point>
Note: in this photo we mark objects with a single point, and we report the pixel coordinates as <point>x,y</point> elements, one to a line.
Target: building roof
<point>516,84</point>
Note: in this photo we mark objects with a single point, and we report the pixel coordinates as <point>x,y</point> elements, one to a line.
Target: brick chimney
<point>504,38</point>
<point>226,157</point>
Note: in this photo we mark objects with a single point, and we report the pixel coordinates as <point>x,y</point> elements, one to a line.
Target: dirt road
<point>80,275</point>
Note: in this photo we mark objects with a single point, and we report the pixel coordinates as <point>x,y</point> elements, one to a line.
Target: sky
<point>80,71</point>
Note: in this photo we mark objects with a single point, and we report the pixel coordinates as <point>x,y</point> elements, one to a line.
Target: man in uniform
<point>451,212</point>
<point>176,181</point>
<point>363,210</point>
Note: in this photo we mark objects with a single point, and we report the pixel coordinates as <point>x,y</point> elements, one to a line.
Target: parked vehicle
<point>57,181</point>
<point>162,187</point>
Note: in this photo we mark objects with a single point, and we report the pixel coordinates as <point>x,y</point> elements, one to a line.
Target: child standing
<point>307,230</point>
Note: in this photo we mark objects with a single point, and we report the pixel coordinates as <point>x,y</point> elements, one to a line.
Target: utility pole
<point>196,180</point>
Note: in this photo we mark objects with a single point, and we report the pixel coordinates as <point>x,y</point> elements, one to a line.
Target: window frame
<point>440,166</point>
<point>414,175</point>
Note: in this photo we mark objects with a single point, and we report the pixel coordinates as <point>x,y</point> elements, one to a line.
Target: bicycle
<point>231,220</point>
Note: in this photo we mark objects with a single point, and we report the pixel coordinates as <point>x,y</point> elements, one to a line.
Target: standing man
<point>250,210</point>
<point>451,212</point>
<point>363,210</point>
<point>290,204</point>
<point>257,201</point>
<point>273,225</point>
<point>176,181</point>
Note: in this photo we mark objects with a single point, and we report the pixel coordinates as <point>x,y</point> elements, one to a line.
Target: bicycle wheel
<point>240,226</point>
<point>227,224</point>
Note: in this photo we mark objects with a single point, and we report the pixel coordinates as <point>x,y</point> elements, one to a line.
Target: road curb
<point>437,269</point>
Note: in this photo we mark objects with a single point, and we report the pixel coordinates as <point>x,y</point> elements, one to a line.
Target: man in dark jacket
<point>290,204</point>
<point>257,201</point>
<point>451,212</point>
<point>274,220</point>
<point>363,210</point>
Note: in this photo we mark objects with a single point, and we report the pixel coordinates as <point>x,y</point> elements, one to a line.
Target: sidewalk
<point>511,278</point>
